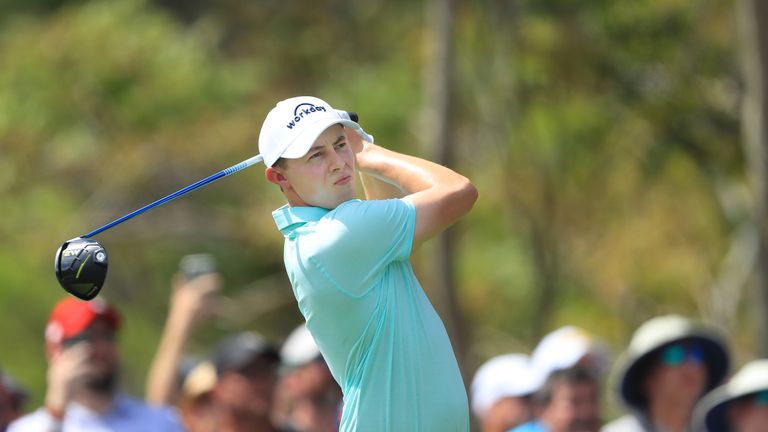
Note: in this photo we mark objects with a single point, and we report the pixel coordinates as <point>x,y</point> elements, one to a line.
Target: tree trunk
<point>545,261</point>
<point>754,26</point>
<point>439,140</point>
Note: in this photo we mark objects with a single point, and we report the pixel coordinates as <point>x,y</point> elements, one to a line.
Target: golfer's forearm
<point>376,188</point>
<point>405,173</point>
<point>440,195</point>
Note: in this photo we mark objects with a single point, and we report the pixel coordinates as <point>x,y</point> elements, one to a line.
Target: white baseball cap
<point>507,375</point>
<point>299,348</point>
<point>293,125</point>
<point>564,348</point>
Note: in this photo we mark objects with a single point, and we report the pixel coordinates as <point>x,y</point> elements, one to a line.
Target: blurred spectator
<point>192,300</point>
<point>310,396</point>
<point>246,366</point>
<point>194,399</point>
<point>741,405</point>
<point>569,347</point>
<point>171,379</point>
<point>670,363</point>
<point>500,392</point>
<point>12,400</point>
<point>6,408</point>
<point>567,402</point>
<point>233,391</point>
<point>83,364</point>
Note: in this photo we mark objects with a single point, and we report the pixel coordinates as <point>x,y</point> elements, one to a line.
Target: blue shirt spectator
<point>126,414</point>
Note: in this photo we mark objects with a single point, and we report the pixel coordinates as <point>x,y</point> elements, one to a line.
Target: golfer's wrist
<point>367,158</point>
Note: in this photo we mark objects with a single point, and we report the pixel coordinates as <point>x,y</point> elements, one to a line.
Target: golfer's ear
<point>274,175</point>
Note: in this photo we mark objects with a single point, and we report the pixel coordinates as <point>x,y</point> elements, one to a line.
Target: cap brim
<point>715,418</point>
<point>201,379</point>
<point>303,142</point>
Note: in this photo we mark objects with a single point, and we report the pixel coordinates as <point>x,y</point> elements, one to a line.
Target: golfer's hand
<point>66,371</point>
<point>193,300</point>
<point>355,134</point>
<point>355,140</point>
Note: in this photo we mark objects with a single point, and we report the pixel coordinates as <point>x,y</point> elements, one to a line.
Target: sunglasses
<point>677,354</point>
<point>88,336</point>
<point>761,398</point>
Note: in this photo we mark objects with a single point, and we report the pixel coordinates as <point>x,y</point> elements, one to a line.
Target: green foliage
<point>599,135</point>
<point>97,101</point>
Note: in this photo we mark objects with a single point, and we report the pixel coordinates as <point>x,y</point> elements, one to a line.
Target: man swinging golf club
<point>348,263</point>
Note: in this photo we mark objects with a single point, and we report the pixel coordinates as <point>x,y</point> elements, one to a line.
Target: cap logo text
<point>302,110</point>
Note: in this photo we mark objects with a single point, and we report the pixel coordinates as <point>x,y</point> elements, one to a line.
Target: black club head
<point>81,267</point>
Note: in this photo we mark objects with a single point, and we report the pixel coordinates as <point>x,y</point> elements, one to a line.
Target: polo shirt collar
<point>289,218</point>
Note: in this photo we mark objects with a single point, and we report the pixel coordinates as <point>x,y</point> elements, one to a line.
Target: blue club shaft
<point>212,178</point>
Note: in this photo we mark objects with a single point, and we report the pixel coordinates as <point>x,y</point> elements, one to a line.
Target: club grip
<point>353,116</point>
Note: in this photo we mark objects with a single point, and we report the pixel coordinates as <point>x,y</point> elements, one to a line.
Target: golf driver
<point>81,263</point>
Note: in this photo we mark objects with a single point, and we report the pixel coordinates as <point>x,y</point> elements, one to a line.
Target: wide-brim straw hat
<point>657,333</point>
<point>711,413</point>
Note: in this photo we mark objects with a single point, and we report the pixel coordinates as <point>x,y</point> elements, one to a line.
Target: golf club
<point>81,263</point>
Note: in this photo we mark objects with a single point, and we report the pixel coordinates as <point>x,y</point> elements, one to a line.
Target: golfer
<point>348,263</point>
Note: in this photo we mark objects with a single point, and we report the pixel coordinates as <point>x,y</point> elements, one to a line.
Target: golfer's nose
<point>337,162</point>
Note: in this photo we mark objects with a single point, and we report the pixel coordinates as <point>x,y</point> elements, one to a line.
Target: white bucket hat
<point>657,333</point>
<point>711,413</point>
<point>293,125</point>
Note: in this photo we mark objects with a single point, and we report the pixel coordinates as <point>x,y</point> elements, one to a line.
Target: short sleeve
<point>362,238</point>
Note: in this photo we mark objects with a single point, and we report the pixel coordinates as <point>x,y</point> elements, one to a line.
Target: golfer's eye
<point>314,155</point>
<point>341,145</point>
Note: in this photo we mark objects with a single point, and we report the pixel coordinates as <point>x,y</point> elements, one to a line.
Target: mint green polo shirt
<point>383,341</point>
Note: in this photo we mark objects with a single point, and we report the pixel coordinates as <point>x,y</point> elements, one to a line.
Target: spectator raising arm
<point>191,301</point>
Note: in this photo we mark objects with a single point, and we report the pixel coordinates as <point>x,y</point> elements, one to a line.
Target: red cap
<point>71,316</point>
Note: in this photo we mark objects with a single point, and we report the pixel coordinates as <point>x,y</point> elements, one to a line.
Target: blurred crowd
<point>676,374</point>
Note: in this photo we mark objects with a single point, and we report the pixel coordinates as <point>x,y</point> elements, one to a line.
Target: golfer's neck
<point>294,200</point>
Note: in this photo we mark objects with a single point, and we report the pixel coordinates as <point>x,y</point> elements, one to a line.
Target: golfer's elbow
<point>440,207</point>
<point>465,195</point>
